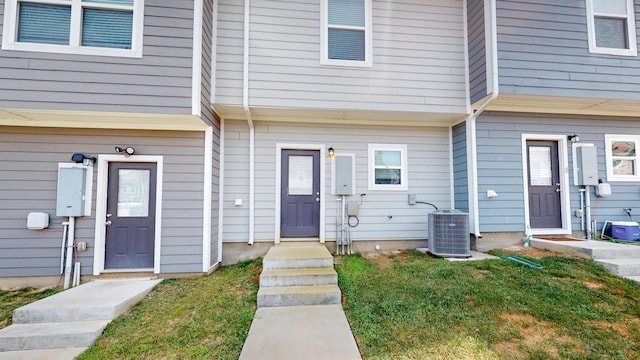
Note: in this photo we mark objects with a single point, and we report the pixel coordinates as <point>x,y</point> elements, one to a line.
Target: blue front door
<point>300,194</point>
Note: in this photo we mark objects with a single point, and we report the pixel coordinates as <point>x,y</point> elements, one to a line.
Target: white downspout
<point>471,119</point>
<point>207,198</point>
<point>247,112</point>
<point>221,193</point>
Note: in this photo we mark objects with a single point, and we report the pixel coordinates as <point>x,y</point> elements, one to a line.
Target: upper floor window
<point>346,32</point>
<point>622,157</point>
<point>611,27</point>
<point>89,27</point>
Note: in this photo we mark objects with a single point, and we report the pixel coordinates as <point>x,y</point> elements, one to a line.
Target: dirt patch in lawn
<point>385,259</point>
<point>534,333</point>
<point>625,327</point>
<point>531,252</point>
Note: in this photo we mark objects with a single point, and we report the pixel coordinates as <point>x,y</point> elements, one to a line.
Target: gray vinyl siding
<point>159,82</point>
<point>29,160</point>
<point>500,167</point>
<point>477,50</point>
<point>460,180</point>
<point>543,50</point>
<point>229,52</point>
<point>418,58</point>
<point>384,215</point>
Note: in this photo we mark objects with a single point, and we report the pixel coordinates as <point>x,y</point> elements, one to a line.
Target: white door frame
<point>279,148</point>
<point>563,164</point>
<point>101,208</point>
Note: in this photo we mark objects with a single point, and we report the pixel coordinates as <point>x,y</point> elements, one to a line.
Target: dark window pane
<point>611,33</point>
<point>346,44</point>
<point>107,28</point>
<point>43,23</point>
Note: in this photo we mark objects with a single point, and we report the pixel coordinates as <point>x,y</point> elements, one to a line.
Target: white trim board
<point>101,208</point>
<point>278,203</point>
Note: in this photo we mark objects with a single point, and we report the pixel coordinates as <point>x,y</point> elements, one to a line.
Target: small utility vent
<point>449,234</point>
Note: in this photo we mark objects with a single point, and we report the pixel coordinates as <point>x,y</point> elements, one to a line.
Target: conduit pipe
<point>70,241</point>
<point>247,112</point>
<point>471,118</point>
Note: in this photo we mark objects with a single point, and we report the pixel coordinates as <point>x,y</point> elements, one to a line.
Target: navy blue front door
<point>131,209</point>
<point>544,184</point>
<point>300,193</point>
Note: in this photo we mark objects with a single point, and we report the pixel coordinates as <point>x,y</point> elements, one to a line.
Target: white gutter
<point>206,199</point>
<point>472,149</point>
<point>247,112</point>
<point>221,192</point>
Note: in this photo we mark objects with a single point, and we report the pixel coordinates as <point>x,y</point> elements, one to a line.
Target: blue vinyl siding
<point>500,167</point>
<point>477,50</point>
<point>460,180</point>
<point>543,49</point>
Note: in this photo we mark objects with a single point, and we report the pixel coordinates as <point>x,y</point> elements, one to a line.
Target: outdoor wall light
<point>84,159</point>
<point>331,152</point>
<point>574,138</point>
<point>127,151</point>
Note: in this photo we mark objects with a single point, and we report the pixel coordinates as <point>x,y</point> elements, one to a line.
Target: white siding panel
<point>384,215</point>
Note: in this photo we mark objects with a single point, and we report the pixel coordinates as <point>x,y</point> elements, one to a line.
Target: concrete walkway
<point>62,326</point>
<point>315,332</point>
<point>299,314</point>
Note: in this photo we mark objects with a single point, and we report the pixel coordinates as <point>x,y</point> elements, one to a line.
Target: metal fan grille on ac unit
<point>449,234</point>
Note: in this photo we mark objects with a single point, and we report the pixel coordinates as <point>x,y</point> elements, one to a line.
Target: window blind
<point>44,23</point>
<point>107,28</point>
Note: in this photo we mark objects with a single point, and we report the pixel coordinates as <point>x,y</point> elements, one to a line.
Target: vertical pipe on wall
<point>207,199</point>
<point>247,112</point>
<point>70,239</point>
<point>221,192</point>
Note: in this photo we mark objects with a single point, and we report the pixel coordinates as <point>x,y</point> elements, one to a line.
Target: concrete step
<point>50,335</point>
<point>298,277</point>
<point>97,300</point>
<point>298,295</point>
<point>43,354</point>
<point>633,278</point>
<point>297,257</point>
<point>621,267</point>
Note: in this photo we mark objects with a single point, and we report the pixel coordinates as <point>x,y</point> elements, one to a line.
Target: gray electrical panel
<point>586,166</point>
<point>71,191</point>
<point>344,175</point>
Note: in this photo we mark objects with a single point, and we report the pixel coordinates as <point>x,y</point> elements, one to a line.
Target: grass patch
<point>201,318</point>
<point>13,299</point>
<point>415,307</point>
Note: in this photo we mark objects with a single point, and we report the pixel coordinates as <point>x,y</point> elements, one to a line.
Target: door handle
<point>109,215</point>
<point>107,223</point>
<point>558,190</point>
<point>317,199</point>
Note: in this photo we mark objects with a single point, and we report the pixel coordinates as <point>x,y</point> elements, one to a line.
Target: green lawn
<point>411,306</point>
<point>13,299</point>
<point>401,306</point>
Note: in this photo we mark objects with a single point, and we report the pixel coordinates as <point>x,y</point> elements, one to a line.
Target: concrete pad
<point>592,248</point>
<point>633,278</point>
<point>96,300</point>
<point>316,332</point>
<point>475,255</point>
<point>297,257</point>
<point>48,354</point>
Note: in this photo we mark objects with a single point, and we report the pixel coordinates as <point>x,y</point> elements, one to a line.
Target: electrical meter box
<point>71,191</point>
<point>344,175</point>
<point>586,166</point>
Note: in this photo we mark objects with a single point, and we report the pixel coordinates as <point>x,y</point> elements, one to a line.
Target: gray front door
<point>545,209</point>
<point>300,193</point>
<point>131,208</point>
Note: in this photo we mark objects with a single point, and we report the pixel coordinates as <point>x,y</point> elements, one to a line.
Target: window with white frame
<point>388,167</point>
<point>89,27</point>
<point>622,157</point>
<point>346,32</point>
<point>611,27</point>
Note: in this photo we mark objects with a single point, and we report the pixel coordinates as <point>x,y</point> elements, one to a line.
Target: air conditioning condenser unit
<point>449,233</point>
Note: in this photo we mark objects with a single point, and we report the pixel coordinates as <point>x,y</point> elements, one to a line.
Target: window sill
<point>63,49</point>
